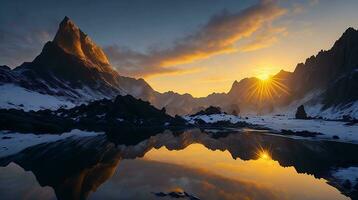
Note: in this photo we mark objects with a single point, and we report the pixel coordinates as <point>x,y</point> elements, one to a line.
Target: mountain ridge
<point>74,67</point>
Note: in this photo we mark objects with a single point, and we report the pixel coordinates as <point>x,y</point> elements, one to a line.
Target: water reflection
<point>242,165</point>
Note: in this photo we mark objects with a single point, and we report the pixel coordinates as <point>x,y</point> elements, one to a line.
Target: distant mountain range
<point>72,70</point>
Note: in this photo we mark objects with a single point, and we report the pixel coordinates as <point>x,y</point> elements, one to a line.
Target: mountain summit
<point>74,68</point>
<point>73,41</point>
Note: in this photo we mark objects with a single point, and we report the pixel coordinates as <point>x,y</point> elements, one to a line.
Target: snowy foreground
<point>328,129</point>
<point>12,143</point>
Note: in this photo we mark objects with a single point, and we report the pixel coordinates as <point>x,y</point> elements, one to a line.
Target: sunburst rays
<point>267,89</point>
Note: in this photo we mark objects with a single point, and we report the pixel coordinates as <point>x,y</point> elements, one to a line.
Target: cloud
<point>218,36</point>
<point>267,37</point>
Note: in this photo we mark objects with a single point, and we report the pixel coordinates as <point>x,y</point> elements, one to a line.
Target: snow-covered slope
<point>13,96</point>
<point>346,133</point>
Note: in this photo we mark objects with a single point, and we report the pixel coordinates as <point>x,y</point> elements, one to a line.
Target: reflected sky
<point>237,166</point>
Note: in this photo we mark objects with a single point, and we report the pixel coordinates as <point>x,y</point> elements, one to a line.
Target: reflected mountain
<point>76,167</point>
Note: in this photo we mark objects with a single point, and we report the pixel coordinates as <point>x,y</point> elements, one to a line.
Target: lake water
<point>244,164</point>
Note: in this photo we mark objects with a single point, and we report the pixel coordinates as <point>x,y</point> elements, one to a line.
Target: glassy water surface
<point>187,165</point>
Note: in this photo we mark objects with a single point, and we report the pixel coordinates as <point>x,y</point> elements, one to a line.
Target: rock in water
<point>301,113</point>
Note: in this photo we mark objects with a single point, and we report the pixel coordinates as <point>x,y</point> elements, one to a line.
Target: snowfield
<point>315,109</point>
<point>213,118</point>
<point>17,97</point>
<point>346,133</point>
<point>11,143</point>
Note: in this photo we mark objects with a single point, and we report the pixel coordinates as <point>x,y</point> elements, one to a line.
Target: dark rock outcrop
<point>125,112</point>
<point>301,113</point>
<point>209,111</point>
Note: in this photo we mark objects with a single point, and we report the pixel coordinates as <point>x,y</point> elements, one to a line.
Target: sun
<point>267,88</point>
<point>263,76</point>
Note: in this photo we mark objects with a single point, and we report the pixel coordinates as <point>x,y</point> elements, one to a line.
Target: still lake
<point>191,164</point>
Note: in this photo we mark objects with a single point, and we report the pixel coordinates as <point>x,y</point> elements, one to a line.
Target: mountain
<point>72,70</point>
<point>326,83</point>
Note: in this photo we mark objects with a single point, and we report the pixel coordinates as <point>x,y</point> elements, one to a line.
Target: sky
<point>187,46</point>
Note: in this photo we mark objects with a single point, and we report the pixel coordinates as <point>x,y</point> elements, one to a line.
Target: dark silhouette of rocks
<point>209,111</point>
<point>301,113</point>
<point>124,112</point>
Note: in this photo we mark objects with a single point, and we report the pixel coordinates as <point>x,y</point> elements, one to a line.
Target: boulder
<point>301,113</point>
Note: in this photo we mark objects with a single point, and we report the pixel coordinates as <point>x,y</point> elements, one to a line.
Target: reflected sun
<point>263,154</point>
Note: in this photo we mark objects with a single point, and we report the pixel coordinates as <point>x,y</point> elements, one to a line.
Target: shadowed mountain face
<point>76,167</point>
<point>74,67</point>
<point>332,70</point>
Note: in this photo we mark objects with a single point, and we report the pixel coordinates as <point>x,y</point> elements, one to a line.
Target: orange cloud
<point>218,36</point>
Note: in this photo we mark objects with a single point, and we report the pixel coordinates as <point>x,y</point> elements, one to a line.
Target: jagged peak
<point>72,40</point>
<point>349,36</point>
<point>350,30</point>
<point>66,19</point>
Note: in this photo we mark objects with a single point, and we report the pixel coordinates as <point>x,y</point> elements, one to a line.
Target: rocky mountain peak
<point>349,39</point>
<point>73,41</point>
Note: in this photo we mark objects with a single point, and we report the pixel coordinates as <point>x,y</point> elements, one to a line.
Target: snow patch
<point>314,108</point>
<point>346,133</point>
<point>213,118</point>
<point>17,97</point>
<point>333,112</point>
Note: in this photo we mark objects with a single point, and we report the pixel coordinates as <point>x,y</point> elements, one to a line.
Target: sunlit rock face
<point>72,40</point>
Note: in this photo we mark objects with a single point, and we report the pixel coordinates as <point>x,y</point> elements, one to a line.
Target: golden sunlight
<point>263,154</point>
<point>267,88</point>
<point>263,76</point>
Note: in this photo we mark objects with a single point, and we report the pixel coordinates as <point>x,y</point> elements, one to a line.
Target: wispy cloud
<point>267,37</point>
<point>218,36</point>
